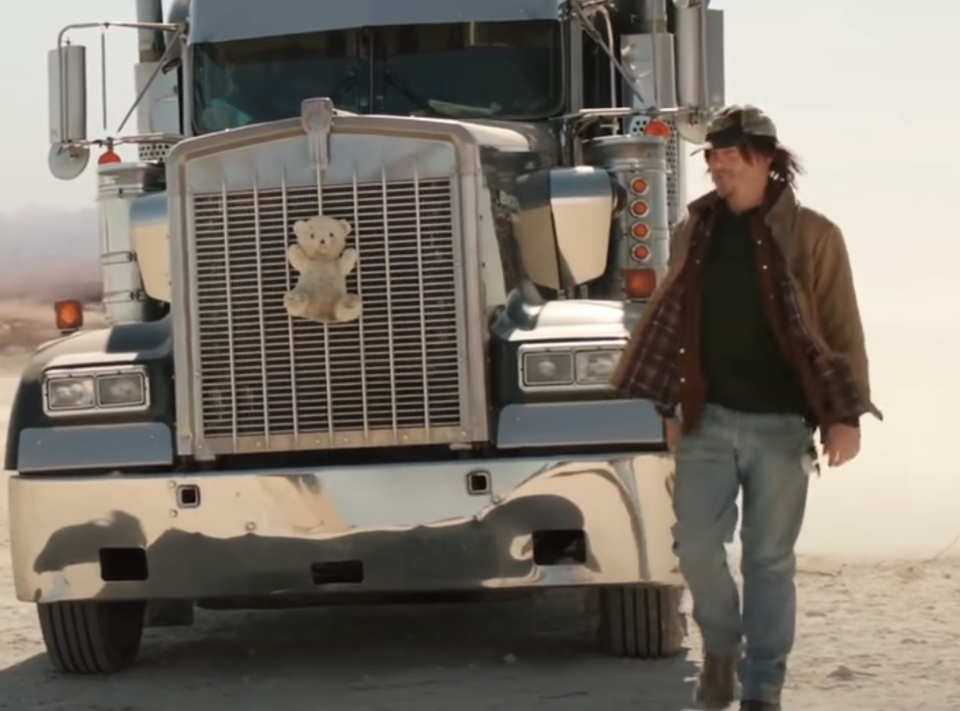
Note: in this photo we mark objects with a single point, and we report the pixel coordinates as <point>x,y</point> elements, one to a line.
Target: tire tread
<point>85,637</point>
<point>641,622</point>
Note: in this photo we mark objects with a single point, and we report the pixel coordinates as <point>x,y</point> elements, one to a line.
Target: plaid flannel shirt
<point>652,373</point>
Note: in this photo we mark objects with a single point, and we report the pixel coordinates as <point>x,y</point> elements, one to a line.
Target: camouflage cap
<point>732,125</point>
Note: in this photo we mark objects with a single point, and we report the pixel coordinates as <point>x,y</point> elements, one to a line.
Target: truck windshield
<point>497,69</point>
<point>470,70</point>
<point>265,79</point>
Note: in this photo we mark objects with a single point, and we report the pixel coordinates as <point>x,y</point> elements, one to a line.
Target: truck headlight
<point>93,390</point>
<point>568,365</point>
<point>548,368</point>
<point>596,367</point>
<point>71,393</point>
<point>121,390</point>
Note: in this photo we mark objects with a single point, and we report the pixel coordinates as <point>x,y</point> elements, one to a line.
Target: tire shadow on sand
<point>528,654</point>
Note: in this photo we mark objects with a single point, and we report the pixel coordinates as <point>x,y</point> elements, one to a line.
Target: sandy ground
<point>873,635</point>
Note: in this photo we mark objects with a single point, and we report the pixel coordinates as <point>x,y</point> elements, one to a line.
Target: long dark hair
<point>785,166</point>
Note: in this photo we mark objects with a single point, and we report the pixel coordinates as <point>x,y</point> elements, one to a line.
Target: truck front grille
<point>271,383</point>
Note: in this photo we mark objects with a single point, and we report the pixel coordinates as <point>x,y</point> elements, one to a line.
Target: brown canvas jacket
<point>820,303</point>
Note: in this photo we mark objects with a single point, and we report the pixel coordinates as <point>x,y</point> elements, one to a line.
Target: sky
<point>864,92</point>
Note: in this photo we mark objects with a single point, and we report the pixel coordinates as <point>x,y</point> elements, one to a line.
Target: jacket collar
<point>778,217</point>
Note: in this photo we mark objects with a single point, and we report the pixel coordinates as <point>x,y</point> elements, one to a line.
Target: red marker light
<point>657,128</point>
<point>108,157</point>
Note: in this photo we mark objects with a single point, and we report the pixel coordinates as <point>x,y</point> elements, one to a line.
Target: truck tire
<point>641,622</point>
<point>91,637</point>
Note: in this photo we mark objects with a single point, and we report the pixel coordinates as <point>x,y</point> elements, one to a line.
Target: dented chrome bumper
<point>403,528</point>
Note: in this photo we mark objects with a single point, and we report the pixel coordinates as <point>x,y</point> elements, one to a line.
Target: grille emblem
<point>316,117</point>
<point>321,257</point>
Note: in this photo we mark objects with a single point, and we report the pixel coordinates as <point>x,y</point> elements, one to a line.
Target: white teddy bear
<point>322,258</point>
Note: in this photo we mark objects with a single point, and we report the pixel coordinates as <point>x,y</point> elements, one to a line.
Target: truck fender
<point>148,344</point>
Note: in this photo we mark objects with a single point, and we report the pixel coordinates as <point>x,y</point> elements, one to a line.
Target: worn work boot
<point>749,705</point>
<point>717,685</point>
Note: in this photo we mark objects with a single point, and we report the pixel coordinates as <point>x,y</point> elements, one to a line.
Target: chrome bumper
<point>403,528</point>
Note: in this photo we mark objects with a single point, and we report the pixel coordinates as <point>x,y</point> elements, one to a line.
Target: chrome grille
<point>269,382</point>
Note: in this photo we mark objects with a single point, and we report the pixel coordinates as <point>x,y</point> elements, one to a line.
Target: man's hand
<point>671,427</point>
<point>842,445</point>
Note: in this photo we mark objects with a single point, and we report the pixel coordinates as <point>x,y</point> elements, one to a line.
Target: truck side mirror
<point>700,65</point>
<point>563,223</point>
<point>67,77</point>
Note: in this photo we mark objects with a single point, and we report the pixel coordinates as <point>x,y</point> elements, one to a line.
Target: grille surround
<point>361,149</point>
<point>305,379</point>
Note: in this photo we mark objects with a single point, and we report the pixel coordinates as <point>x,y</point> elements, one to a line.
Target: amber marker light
<point>641,252</point>
<point>639,186</point>
<point>638,208</point>
<point>69,314</point>
<point>640,230</point>
<point>639,283</point>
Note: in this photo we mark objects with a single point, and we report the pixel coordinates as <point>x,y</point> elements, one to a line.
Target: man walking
<point>752,342</point>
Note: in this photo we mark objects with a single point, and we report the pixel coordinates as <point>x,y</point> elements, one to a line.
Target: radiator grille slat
<point>266,376</point>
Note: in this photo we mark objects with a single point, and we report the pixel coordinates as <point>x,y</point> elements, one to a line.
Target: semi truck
<point>505,176</point>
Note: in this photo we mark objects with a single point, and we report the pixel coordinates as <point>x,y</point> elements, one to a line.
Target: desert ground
<point>879,626</point>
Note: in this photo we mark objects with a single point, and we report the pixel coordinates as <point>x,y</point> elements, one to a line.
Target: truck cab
<point>507,176</point>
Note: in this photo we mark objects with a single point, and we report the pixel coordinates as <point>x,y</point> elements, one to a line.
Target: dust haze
<point>45,255</point>
<point>50,254</point>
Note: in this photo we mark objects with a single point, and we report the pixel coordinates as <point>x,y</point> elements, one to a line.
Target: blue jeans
<point>766,457</point>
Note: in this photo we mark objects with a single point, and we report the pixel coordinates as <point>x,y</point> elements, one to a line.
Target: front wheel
<point>91,637</point>
<point>641,622</point>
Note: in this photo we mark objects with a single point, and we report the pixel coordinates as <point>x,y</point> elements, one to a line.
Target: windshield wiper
<point>345,84</point>
<point>448,108</point>
<point>438,107</point>
<point>396,82</point>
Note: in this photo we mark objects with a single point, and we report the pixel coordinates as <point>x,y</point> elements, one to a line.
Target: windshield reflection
<point>502,70</point>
